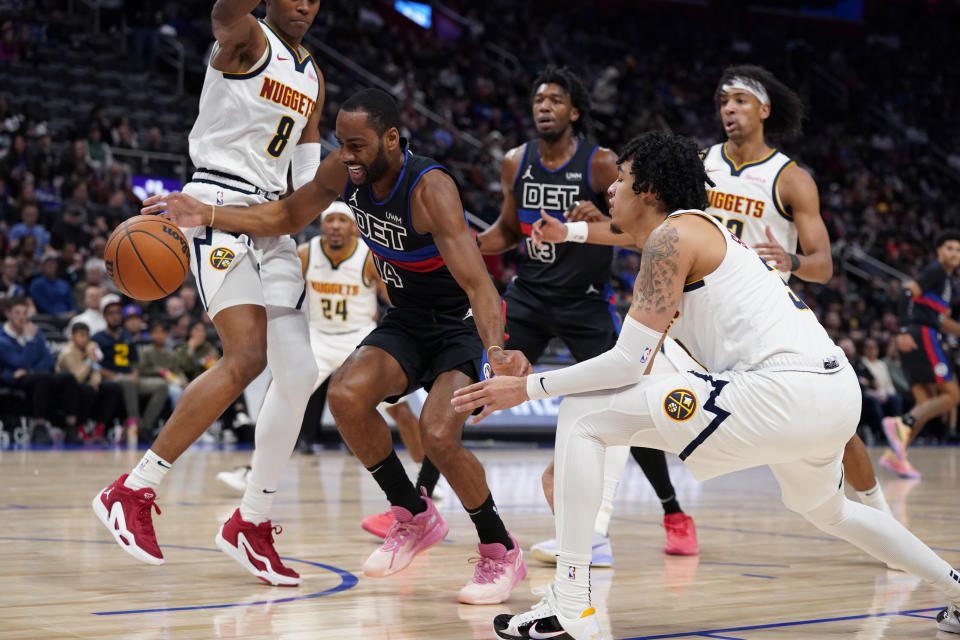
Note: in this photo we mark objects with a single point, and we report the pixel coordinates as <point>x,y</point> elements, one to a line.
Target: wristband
<point>576,231</point>
<point>794,262</point>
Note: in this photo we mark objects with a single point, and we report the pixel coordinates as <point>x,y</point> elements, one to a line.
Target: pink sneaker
<point>681,535</point>
<point>498,571</point>
<point>128,515</point>
<point>378,524</point>
<point>902,468</point>
<point>897,434</point>
<point>409,535</point>
<point>252,546</point>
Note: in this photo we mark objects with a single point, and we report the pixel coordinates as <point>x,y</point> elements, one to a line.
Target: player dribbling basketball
<point>261,95</point>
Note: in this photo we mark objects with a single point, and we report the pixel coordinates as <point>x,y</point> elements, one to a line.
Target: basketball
<point>147,257</point>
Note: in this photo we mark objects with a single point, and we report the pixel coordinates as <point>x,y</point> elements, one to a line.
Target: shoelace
<point>677,527</point>
<point>267,529</point>
<point>398,534</point>
<point>144,517</point>
<point>488,569</point>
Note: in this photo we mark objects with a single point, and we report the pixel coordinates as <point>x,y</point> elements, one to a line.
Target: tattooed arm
<point>664,266</point>
<point>666,263</point>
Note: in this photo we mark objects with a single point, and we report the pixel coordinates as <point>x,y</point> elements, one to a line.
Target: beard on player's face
<point>378,168</point>
<point>551,135</point>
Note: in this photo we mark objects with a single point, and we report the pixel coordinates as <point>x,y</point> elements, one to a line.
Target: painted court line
<point>347,579</point>
<point>713,633</point>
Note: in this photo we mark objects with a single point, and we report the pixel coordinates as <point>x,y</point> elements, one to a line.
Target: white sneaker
<point>602,553</point>
<point>236,479</point>
<point>544,621</point>
<point>949,619</point>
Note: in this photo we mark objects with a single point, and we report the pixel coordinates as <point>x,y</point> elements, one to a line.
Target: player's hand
<point>510,363</point>
<point>181,209</point>
<point>493,394</point>
<point>772,252</point>
<point>905,342</point>
<point>548,229</point>
<point>584,210</point>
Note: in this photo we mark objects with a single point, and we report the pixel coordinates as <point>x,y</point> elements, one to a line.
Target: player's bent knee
<point>440,446</point>
<point>828,514</point>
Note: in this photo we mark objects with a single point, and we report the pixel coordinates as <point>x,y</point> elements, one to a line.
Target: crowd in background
<point>879,140</point>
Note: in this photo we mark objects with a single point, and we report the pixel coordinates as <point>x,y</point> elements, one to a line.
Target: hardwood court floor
<point>762,573</point>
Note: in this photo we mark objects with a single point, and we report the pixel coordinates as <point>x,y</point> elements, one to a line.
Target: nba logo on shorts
<point>219,198</point>
<point>572,573</point>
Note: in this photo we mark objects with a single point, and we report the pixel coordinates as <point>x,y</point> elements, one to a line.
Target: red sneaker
<point>681,535</point>
<point>378,524</point>
<point>252,546</point>
<point>127,514</point>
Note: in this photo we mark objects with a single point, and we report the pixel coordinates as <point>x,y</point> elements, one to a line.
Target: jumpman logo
<point>353,199</point>
<point>528,174</point>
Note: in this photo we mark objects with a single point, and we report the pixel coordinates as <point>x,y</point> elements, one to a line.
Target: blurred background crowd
<point>98,99</point>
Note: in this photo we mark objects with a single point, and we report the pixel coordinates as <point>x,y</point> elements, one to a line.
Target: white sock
<point>572,584</point>
<point>615,459</point>
<point>256,503</point>
<point>149,472</point>
<point>874,498</point>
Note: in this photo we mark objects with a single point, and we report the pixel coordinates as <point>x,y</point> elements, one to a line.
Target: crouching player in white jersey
<point>778,391</point>
<point>261,95</point>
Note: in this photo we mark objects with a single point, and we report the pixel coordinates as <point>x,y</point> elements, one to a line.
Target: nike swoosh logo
<point>282,59</point>
<point>541,385</point>
<point>538,635</point>
<point>164,464</point>
<point>268,491</point>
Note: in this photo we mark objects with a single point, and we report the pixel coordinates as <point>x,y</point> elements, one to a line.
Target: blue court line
<point>347,579</point>
<point>755,575</point>
<point>712,633</point>
<point>917,615</point>
<point>708,635</point>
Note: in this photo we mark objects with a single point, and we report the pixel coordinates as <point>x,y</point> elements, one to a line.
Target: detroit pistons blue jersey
<point>409,263</point>
<point>566,265</point>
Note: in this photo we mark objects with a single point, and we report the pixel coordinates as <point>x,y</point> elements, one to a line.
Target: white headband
<point>751,86</point>
<point>338,207</point>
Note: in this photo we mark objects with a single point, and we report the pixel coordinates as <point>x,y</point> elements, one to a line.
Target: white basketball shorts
<point>795,421</point>
<point>331,349</point>
<point>233,269</point>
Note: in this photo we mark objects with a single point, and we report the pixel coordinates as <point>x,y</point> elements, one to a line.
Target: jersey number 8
<point>279,142</point>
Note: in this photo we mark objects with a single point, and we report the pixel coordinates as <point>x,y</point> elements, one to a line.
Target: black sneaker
<point>949,619</point>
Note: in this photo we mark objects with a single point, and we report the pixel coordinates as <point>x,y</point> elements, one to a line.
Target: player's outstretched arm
<point>288,215</point>
<point>435,207</point>
<point>240,38</point>
<point>667,261</point>
<point>798,192</point>
<point>505,233</point>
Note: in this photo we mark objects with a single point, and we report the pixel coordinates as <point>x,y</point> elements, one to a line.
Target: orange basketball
<point>147,257</point>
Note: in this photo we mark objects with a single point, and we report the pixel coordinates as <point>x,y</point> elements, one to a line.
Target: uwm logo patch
<point>680,404</point>
<point>221,258</point>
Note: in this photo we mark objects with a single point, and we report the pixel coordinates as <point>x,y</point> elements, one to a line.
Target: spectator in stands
<point>123,136</point>
<point>134,324</point>
<point>26,363</point>
<point>50,294</point>
<point>180,330</point>
<point>197,354</point>
<point>93,276</point>
<point>70,229</point>
<point>9,47</point>
<point>119,364</point>
<point>28,264</point>
<point>99,155</point>
<point>68,266</point>
<point>191,303</point>
<point>93,297</point>
<point>158,360</point>
<point>11,285</point>
<point>74,166</point>
<point>883,390</point>
<point>99,399</point>
<point>29,226</point>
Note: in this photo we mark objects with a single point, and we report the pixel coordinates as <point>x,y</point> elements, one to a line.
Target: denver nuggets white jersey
<point>340,298</point>
<point>746,200</point>
<point>743,316</point>
<point>249,123</point>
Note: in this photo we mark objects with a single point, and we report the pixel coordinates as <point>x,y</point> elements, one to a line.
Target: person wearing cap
<point>119,363</point>
<point>133,322</point>
<point>51,294</point>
